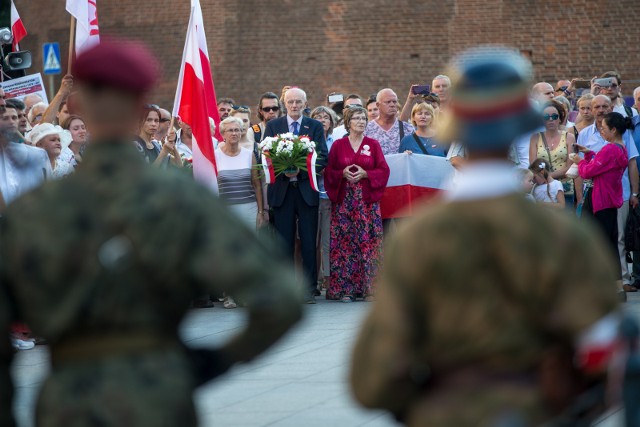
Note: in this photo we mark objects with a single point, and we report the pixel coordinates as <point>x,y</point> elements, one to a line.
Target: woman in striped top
<point>238,179</point>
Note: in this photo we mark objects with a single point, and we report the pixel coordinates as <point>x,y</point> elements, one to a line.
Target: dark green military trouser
<point>144,389</point>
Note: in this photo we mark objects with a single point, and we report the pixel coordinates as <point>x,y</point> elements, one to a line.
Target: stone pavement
<point>301,381</point>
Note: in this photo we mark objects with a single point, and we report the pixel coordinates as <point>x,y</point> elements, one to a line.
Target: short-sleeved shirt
<point>433,147</point>
<point>234,177</point>
<point>590,137</point>
<point>150,154</point>
<point>541,194</point>
<point>389,139</point>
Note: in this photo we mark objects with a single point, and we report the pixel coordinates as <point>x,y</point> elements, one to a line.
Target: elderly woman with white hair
<point>53,140</point>
<point>238,180</point>
<point>36,113</point>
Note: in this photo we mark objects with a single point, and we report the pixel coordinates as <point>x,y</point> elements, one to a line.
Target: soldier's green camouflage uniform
<point>472,294</point>
<point>103,265</point>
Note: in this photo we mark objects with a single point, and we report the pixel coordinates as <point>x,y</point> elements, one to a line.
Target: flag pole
<point>72,42</point>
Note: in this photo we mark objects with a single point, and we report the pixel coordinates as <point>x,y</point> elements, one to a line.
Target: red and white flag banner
<point>87,30</point>
<point>195,100</point>
<point>413,180</point>
<point>17,27</point>
<point>209,87</point>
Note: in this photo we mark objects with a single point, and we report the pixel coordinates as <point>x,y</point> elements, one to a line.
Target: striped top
<point>234,177</point>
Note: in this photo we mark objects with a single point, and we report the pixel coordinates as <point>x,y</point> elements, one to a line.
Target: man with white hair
<point>291,196</point>
<point>31,100</point>
<point>387,129</point>
<point>440,86</point>
<point>636,99</point>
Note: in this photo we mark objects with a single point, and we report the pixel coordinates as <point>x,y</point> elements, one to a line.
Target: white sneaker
<point>229,302</point>
<point>22,344</point>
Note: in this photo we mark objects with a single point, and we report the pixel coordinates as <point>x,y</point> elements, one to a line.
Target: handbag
<point>573,173</point>
<point>632,231</point>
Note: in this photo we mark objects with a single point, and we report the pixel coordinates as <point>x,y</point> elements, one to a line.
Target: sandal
<point>348,298</point>
<point>229,303</point>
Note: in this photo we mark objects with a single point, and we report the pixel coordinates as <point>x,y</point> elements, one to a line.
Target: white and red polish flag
<point>17,27</point>
<point>195,99</point>
<point>414,179</point>
<point>87,30</point>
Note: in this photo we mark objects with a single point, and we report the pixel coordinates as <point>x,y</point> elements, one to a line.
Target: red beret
<point>119,64</point>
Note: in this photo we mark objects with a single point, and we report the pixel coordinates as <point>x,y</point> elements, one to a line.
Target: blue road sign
<point>51,58</point>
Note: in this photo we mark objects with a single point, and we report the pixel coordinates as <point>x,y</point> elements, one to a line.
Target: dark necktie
<point>295,128</point>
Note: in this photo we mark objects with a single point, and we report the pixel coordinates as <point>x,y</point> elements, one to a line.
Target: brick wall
<point>358,45</point>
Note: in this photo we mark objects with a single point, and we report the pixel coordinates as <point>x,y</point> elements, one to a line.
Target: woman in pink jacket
<point>605,169</point>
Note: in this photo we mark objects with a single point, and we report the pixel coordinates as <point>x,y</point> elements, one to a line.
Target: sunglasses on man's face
<point>270,109</point>
<point>548,117</point>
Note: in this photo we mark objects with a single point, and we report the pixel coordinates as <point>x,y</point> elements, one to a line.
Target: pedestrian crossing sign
<point>51,58</point>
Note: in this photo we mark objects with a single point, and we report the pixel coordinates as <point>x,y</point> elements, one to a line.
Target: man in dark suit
<point>291,195</point>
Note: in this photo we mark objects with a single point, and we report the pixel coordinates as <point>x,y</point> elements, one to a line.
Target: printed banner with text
<point>23,86</point>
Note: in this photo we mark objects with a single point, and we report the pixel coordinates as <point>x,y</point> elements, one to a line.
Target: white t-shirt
<point>338,132</point>
<point>620,109</point>
<point>540,192</point>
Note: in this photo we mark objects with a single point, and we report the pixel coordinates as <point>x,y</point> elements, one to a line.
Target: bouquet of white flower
<point>287,153</point>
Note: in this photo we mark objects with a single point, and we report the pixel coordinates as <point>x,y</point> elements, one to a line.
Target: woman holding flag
<point>355,179</point>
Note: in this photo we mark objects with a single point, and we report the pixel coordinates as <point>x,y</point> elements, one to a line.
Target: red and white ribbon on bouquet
<point>311,169</point>
<point>269,173</point>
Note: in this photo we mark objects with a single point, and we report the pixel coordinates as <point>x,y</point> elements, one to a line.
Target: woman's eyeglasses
<point>548,117</point>
<point>270,109</point>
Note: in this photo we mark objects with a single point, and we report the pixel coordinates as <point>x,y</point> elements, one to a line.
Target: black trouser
<point>607,219</point>
<point>285,224</point>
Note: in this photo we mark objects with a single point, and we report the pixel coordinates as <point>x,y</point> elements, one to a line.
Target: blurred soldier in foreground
<point>486,300</point>
<point>104,264</point>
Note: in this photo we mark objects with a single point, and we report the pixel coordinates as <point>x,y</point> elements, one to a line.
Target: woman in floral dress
<point>355,179</point>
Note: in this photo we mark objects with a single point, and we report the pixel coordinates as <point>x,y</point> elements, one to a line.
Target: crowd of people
<point>583,160</point>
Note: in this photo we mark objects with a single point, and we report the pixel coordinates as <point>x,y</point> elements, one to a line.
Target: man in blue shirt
<point>591,138</point>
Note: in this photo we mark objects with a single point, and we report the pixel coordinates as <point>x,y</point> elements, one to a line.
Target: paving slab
<point>300,381</point>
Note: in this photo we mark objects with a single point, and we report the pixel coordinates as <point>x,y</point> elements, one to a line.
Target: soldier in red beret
<point>114,255</point>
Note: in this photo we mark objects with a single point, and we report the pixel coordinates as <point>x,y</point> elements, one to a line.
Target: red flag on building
<point>17,27</point>
<point>196,100</point>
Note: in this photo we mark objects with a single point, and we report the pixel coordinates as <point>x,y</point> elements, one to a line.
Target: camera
<point>421,90</point>
<point>606,82</point>
<point>335,97</point>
